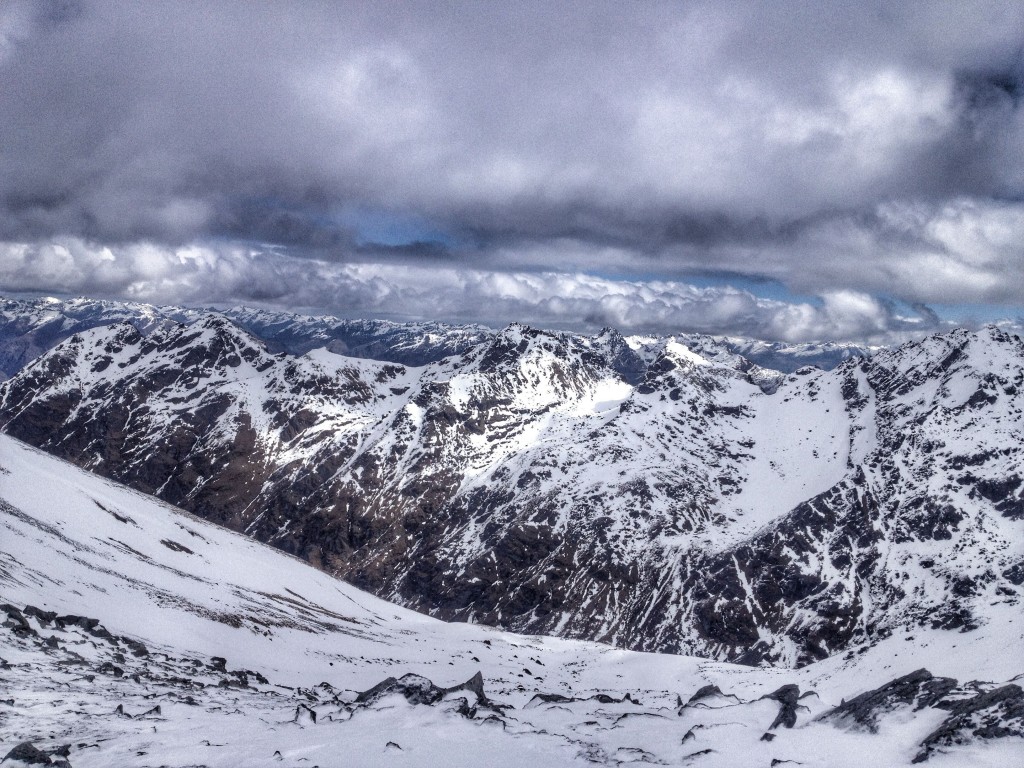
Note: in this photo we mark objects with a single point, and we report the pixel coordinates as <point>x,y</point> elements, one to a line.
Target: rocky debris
<point>43,617</point>
<point>420,690</point>
<point>787,696</point>
<point>137,648</point>
<point>994,714</point>
<point>558,698</point>
<point>72,620</point>
<point>107,668</point>
<point>550,698</point>
<point>919,689</point>
<point>27,754</point>
<point>575,718</point>
<point>707,694</point>
<point>415,688</point>
<point>16,620</point>
<point>149,713</point>
<point>973,713</point>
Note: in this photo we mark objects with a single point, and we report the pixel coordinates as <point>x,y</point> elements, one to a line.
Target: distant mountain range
<point>29,327</point>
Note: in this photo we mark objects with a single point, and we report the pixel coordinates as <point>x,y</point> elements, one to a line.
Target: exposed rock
<point>787,696</point>
<point>919,689</point>
<point>559,536</point>
<point>16,621</point>
<point>27,754</point>
<point>304,715</point>
<point>107,668</point>
<point>419,690</point>
<point>998,713</point>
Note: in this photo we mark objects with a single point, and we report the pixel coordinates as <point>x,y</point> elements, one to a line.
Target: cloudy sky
<point>785,170</point>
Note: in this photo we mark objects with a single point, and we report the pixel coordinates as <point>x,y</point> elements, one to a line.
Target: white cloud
<point>228,274</point>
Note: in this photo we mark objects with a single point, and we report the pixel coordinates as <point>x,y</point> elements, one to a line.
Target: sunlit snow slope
<point>136,634</point>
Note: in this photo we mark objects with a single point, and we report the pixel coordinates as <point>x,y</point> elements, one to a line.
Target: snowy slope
<point>533,483</point>
<point>156,638</point>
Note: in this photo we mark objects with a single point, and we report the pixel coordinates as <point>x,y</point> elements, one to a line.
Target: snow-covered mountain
<point>31,326</point>
<point>136,634</point>
<point>647,495</point>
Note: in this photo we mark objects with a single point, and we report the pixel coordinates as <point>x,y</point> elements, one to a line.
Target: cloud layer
<point>840,148</point>
<point>222,276</point>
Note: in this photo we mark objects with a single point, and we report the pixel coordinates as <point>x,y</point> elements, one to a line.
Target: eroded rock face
<point>544,483</point>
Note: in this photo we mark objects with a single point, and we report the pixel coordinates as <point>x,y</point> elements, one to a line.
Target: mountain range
<point>658,494</point>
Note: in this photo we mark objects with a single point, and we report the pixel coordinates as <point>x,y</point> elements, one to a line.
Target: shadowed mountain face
<point>655,497</point>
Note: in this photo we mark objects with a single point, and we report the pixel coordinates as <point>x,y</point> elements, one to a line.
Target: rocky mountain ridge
<point>31,326</point>
<point>570,485</point>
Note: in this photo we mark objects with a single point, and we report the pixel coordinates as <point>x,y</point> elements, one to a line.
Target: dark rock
<point>16,621</point>
<point>106,668</point>
<point>77,621</point>
<point>768,737</point>
<point>419,690</point>
<point>707,692</point>
<point>704,692</point>
<point>994,714</point>
<point>787,696</point>
<point>26,752</point>
<point>415,688</point>
<point>919,688</point>
<point>551,698</point>
<point>44,617</point>
<point>137,648</point>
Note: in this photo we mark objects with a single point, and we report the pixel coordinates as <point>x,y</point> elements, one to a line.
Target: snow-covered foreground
<point>211,649</point>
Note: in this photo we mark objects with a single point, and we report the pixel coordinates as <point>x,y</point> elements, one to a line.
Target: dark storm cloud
<point>835,147</point>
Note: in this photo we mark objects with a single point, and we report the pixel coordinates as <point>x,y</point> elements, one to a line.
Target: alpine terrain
<point>657,494</point>
<point>134,633</point>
